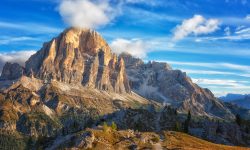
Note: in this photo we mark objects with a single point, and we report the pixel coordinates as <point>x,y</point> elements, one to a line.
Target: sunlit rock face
<point>79,56</point>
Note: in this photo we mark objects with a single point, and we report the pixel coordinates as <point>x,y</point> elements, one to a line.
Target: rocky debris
<point>85,140</point>
<point>11,71</point>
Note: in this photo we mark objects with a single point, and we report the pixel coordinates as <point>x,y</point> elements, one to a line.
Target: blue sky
<point>208,39</point>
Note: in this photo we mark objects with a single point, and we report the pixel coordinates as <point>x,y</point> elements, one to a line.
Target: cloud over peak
<point>86,13</point>
<point>135,47</point>
<point>196,25</point>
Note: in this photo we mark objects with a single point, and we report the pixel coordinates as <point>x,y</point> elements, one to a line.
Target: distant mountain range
<point>242,100</point>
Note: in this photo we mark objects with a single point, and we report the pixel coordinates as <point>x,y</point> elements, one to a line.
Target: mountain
<point>75,82</point>
<point>231,97</point>
<point>245,102</point>
<point>159,82</point>
<point>11,71</point>
<point>82,57</point>
<point>72,80</point>
<point>242,100</point>
<point>79,56</point>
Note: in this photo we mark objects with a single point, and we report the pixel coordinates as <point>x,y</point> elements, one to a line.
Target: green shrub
<point>113,126</point>
<point>105,127</point>
<point>156,139</point>
<point>177,126</point>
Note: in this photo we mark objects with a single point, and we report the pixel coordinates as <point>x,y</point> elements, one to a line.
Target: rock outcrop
<point>79,56</point>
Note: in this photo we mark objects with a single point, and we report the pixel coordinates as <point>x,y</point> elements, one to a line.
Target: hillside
<point>129,139</point>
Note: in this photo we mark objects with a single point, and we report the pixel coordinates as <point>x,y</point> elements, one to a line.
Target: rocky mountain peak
<point>76,56</point>
<point>158,81</point>
<point>86,40</point>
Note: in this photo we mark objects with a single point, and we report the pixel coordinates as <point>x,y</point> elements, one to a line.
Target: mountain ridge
<point>82,56</point>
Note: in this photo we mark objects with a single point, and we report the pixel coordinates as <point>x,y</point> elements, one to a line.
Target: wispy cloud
<point>150,17</point>
<point>15,56</point>
<point>7,40</point>
<point>234,21</point>
<point>222,87</point>
<point>214,72</point>
<point>29,27</point>
<point>146,2</point>
<point>215,65</point>
<point>232,83</point>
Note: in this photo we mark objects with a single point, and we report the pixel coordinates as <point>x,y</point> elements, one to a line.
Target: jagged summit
<point>79,56</point>
<point>158,81</point>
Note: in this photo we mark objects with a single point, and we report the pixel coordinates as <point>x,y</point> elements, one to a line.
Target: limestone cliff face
<point>79,56</point>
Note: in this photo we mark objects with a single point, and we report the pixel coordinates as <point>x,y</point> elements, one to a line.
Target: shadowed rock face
<point>11,71</point>
<point>159,82</point>
<point>79,56</point>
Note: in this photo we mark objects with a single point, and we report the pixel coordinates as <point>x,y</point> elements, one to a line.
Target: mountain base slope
<point>129,139</point>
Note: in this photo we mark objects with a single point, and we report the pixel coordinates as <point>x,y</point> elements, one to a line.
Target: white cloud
<point>147,2</point>
<point>221,82</point>
<point>248,17</point>
<point>222,86</point>
<point>243,31</point>
<point>135,47</point>
<point>240,27</point>
<point>213,65</point>
<point>7,40</point>
<point>238,70</point>
<point>15,56</point>
<point>214,72</point>
<point>197,25</point>
<point>86,13</point>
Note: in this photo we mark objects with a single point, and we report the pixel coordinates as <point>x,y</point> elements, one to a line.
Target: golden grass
<point>177,140</point>
<point>120,140</point>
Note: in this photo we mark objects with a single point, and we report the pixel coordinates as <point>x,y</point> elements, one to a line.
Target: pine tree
<point>186,123</point>
<point>189,116</point>
<point>238,119</point>
<point>177,126</point>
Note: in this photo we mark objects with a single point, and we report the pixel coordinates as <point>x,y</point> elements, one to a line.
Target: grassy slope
<point>187,142</point>
<point>149,140</point>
